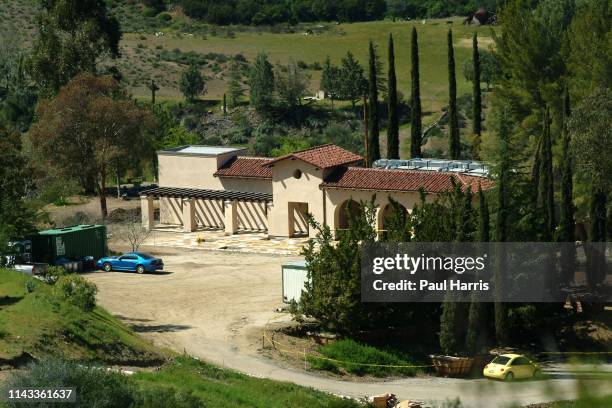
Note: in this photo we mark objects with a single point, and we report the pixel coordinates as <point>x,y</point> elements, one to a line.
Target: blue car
<point>132,261</point>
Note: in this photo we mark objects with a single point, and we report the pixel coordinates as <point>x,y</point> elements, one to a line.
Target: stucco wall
<point>287,189</point>
<point>189,171</point>
<point>251,185</point>
<point>336,197</point>
<point>209,214</point>
<point>170,210</point>
<point>252,216</point>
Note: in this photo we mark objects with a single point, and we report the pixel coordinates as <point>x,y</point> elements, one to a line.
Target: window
<point>501,360</point>
<point>297,174</point>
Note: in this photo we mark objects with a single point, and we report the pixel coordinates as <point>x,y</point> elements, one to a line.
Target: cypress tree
<point>596,271</point>
<point>393,126</point>
<point>501,230</point>
<point>373,131</point>
<point>415,99</point>
<point>454,142</point>
<point>476,331</point>
<point>465,227</point>
<point>477,105</point>
<point>449,330</point>
<point>483,211</point>
<point>546,186</point>
<point>567,225</point>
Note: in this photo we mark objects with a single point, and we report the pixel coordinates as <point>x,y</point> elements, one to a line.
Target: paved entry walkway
<point>248,242</point>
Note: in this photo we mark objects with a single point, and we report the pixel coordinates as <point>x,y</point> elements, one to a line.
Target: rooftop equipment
<point>469,167</point>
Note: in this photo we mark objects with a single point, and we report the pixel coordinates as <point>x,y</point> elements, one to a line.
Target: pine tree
<point>477,105</point>
<point>415,99</point>
<point>567,225</point>
<point>330,81</point>
<point>235,89</point>
<point>192,83</point>
<point>353,84</point>
<point>545,186</point>
<point>454,150</point>
<point>261,82</point>
<point>373,131</point>
<point>483,211</point>
<point>393,125</point>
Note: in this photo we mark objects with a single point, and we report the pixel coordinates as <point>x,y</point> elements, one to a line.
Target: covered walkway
<point>231,211</point>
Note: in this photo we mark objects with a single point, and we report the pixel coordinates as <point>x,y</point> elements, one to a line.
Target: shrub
<point>165,17</point>
<point>162,397</point>
<point>94,387</point>
<point>78,291</point>
<point>149,12</point>
<point>30,286</point>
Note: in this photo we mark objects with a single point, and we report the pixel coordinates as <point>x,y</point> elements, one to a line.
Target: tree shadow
<point>159,328</point>
<point>9,300</point>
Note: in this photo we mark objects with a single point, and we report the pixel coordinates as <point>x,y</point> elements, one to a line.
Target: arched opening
<point>348,209</point>
<point>392,216</point>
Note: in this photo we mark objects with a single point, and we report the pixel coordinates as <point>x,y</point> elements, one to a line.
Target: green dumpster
<point>73,243</point>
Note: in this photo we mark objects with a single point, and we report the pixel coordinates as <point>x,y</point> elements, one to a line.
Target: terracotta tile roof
<point>357,178</point>
<point>323,157</point>
<point>246,167</point>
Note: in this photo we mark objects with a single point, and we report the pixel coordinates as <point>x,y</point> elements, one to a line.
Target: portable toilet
<point>295,276</point>
<point>73,243</point>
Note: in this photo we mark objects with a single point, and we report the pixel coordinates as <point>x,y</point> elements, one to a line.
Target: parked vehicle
<point>134,192</point>
<point>509,367</point>
<point>132,261</point>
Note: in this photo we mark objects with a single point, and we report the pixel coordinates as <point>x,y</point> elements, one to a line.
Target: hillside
<point>40,323</point>
<point>159,48</point>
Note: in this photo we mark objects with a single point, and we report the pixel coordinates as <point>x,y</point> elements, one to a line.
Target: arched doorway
<point>348,209</point>
<point>393,215</point>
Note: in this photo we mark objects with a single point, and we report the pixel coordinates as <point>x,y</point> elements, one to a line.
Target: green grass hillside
<point>41,324</point>
<point>223,388</point>
<point>143,54</point>
<point>147,56</point>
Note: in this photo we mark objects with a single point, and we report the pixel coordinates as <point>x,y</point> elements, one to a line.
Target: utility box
<point>295,276</point>
<point>72,243</point>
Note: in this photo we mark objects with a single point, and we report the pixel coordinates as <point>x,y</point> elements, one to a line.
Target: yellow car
<point>511,367</point>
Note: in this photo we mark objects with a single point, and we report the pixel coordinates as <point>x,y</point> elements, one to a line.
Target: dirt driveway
<point>213,305</point>
<point>204,299</point>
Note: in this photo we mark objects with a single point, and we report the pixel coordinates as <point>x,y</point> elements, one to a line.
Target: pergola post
<point>147,211</point>
<point>231,216</point>
<point>189,219</point>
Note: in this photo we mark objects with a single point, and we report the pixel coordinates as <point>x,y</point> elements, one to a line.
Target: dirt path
<point>213,305</point>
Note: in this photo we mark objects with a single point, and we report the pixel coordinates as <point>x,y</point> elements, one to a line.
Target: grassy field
<point>142,50</point>
<point>335,41</point>
<point>41,324</point>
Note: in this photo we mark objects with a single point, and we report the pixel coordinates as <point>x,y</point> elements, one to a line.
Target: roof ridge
<point>254,157</point>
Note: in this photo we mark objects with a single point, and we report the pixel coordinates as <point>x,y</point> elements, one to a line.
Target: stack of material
<point>383,401</point>
<point>409,404</point>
